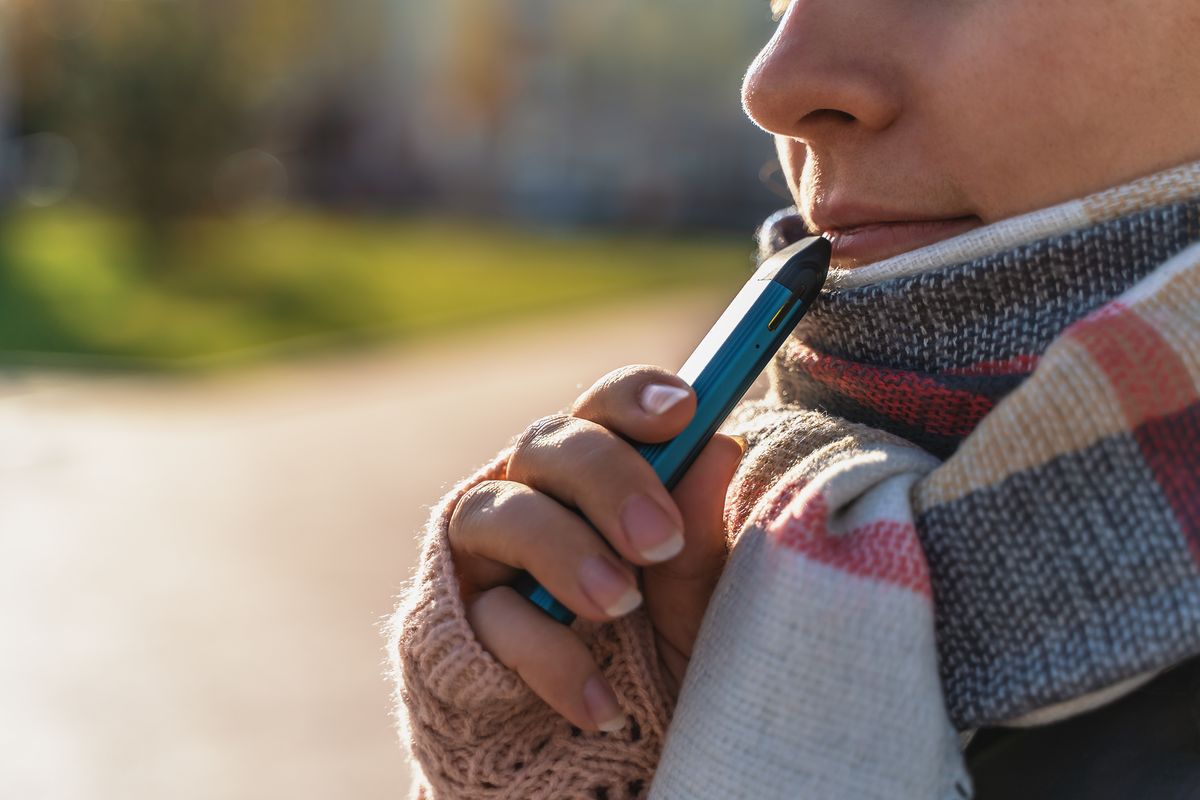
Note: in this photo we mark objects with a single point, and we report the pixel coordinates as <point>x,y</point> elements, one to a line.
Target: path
<point>191,572</point>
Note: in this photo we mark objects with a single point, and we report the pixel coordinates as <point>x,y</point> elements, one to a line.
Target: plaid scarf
<point>989,505</point>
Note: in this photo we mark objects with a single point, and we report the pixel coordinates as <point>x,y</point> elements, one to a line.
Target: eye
<point>778,7</point>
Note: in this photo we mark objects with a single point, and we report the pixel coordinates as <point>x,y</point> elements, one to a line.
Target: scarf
<point>972,496</point>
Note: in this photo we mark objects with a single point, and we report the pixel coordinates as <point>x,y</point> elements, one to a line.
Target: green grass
<point>85,289</point>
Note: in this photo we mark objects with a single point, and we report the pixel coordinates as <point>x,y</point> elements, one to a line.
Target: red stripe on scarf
<point>1158,399</point>
<point>1148,376</point>
<point>1169,446</point>
<point>909,397</point>
<point>885,550</point>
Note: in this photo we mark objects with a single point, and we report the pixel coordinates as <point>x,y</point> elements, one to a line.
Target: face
<point>903,122</point>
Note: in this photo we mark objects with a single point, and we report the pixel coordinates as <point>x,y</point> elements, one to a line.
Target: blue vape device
<point>723,366</point>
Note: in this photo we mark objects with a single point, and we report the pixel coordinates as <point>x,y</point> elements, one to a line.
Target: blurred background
<point>274,274</point>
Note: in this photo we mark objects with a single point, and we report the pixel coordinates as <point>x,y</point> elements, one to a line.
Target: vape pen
<point>723,366</point>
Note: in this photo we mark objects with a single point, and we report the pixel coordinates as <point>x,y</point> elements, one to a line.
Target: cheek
<point>1022,103</point>
<point>792,155</point>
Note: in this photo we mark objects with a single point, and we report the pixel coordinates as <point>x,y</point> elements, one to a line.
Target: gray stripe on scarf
<point>1075,594</point>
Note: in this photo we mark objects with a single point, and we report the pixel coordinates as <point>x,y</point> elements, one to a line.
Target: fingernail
<point>658,398</point>
<point>652,533</point>
<point>608,587</point>
<point>741,440</point>
<point>602,705</point>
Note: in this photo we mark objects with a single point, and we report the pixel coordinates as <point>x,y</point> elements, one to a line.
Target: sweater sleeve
<point>473,727</point>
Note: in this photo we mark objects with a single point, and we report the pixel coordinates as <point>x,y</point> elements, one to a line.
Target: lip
<point>866,240</point>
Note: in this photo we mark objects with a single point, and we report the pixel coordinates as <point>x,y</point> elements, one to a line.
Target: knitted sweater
<point>970,495</point>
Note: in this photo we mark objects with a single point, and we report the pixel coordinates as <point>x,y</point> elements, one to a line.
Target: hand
<point>580,463</point>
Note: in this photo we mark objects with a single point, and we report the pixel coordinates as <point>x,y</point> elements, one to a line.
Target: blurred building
<point>615,111</point>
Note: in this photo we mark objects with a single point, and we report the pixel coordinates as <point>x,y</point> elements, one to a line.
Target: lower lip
<point>853,247</point>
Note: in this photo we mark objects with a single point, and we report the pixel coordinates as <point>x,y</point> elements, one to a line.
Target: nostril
<point>831,114</point>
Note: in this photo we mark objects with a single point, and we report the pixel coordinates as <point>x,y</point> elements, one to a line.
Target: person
<point>954,550</point>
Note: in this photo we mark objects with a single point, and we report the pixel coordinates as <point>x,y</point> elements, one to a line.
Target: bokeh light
<point>47,167</point>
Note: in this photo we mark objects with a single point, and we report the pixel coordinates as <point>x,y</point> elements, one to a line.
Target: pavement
<point>193,571</point>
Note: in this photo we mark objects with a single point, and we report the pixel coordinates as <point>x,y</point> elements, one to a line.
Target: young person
<point>969,501</point>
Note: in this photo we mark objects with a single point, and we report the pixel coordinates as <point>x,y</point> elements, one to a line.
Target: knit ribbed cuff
<point>434,650</point>
<point>475,728</point>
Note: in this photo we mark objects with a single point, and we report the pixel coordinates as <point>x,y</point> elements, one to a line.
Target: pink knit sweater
<point>475,728</point>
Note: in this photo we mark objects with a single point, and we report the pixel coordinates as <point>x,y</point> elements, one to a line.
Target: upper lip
<point>832,217</point>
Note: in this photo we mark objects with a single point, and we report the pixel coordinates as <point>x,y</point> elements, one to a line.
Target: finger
<point>586,466</point>
<point>501,526</point>
<point>642,402</point>
<point>678,591</point>
<point>549,657</point>
<point>476,572</point>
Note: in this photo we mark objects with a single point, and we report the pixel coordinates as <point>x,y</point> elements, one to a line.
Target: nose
<point>822,68</point>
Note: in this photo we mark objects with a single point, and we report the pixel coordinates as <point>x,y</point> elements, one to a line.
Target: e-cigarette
<point>724,365</point>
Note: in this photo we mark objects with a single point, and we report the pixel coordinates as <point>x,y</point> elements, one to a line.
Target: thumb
<point>679,589</point>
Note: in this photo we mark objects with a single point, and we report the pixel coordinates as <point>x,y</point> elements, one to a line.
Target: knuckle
<point>553,442</point>
<point>480,501</point>
<point>539,432</point>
